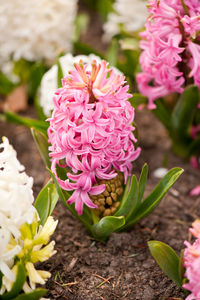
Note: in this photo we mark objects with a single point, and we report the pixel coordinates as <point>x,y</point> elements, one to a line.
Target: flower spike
<point>90,131</point>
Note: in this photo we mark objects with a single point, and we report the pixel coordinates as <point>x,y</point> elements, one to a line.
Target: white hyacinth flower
<point>16,199</point>
<point>36,30</point>
<point>130,14</point>
<point>16,195</point>
<point>21,236</point>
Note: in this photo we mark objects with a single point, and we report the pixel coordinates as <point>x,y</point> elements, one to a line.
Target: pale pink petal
<point>195,191</point>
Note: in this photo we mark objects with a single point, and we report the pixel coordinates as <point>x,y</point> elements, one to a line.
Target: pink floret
<point>171,50</point>
<point>192,263</point>
<point>91,131</point>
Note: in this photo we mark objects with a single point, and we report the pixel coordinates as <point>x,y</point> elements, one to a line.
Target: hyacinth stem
<point>185,7</point>
<point>95,218</point>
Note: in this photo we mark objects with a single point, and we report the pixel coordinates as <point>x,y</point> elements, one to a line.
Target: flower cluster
<point>36,30</point>
<point>192,263</point>
<point>90,131</point>
<point>20,235</point>
<point>49,80</point>
<point>129,15</point>
<point>171,51</point>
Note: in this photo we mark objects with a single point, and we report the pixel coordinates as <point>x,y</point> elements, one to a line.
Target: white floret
<point>130,14</point>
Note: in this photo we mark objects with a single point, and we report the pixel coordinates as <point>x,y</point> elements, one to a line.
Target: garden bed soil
<point>84,269</point>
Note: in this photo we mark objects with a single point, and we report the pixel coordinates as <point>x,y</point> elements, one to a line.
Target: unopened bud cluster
<point>109,200</point>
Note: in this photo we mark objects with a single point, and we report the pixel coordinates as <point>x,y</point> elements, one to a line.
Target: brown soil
<point>84,269</point>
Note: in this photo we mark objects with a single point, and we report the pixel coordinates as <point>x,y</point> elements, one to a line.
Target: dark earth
<point>84,269</point>
<point>123,269</point>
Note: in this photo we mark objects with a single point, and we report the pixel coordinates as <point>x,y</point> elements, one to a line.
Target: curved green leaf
<point>104,7</point>
<point>137,100</point>
<point>181,268</point>
<point>154,198</point>
<point>41,141</point>
<point>6,86</point>
<point>86,49</point>
<point>1,275</point>
<point>167,259</point>
<point>185,109</point>
<point>107,225</point>
<point>80,25</point>
<point>112,53</point>
<point>28,122</point>
<point>182,118</point>
<point>194,147</point>
<point>39,110</point>
<point>46,201</point>
<point>142,182</point>
<point>129,200</point>
<point>18,284</point>
<point>35,295</point>
<point>163,113</point>
<point>35,76</point>
<point>59,74</point>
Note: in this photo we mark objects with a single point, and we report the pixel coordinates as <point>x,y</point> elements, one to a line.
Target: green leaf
<point>129,64</point>
<point>183,115</point>
<point>167,259</point>
<point>112,53</point>
<point>42,144</point>
<point>86,49</point>
<point>18,284</point>
<point>129,200</point>
<point>181,268</point>
<point>59,74</point>
<point>40,113</point>
<point>22,68</point>
<point>36,73</point>
<point>46,201</point>
<point>28,122</point>
<point>194,147</point>
<point>1,275</point>
<point>85,218</point>
<point>142,182</point>
<point>107,225</point>
<point>35,295</point>
<point>6,86</point>
<point>162,112</point>
<point>80,25</point>
<point>104,7</point>
<point>154,198</point>
<point>138,100</point>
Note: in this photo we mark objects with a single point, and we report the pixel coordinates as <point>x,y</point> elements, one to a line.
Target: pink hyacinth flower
<point>170,48</point>
<point>90,131</point>
<point>191,260</point>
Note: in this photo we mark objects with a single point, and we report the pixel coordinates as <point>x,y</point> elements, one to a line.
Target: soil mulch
<point>84,269</point>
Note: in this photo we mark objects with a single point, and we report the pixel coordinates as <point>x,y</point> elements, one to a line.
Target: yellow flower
<point>43,254</point>
<point>36,276</point>
<point>46,231</point>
